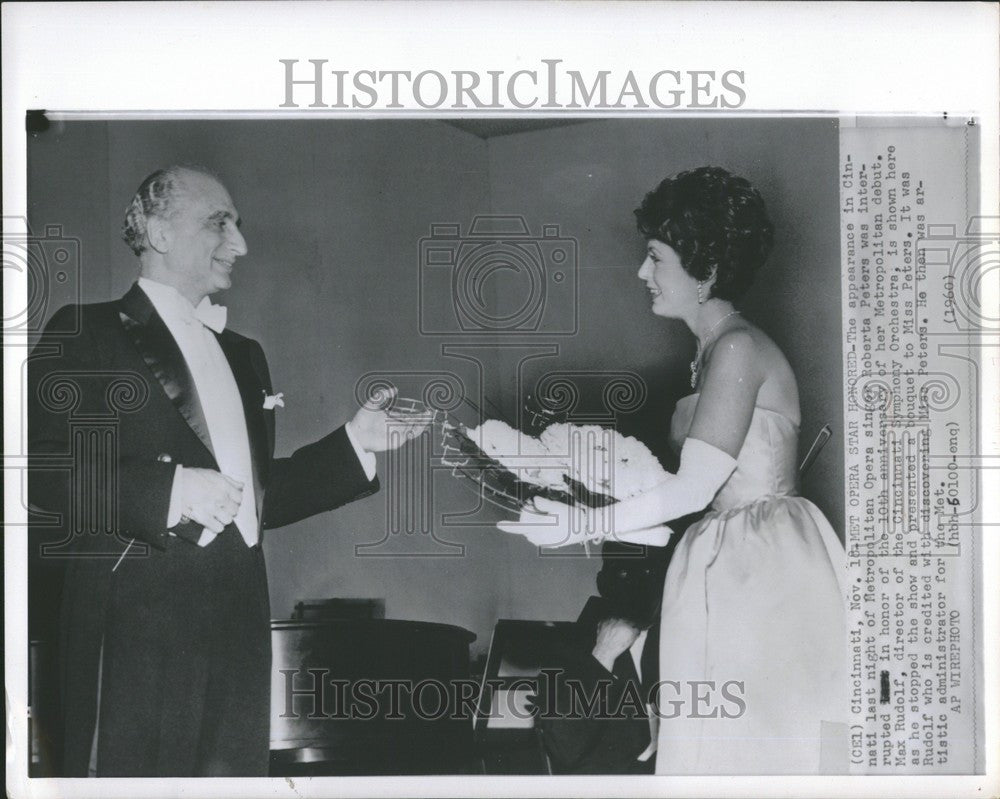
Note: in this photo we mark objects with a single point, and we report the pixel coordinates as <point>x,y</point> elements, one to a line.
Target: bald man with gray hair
<point>165,635</point>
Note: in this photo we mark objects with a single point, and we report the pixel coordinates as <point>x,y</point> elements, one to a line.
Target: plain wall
<point>333,213</point>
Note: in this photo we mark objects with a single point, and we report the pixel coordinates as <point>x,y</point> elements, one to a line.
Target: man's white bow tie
<point>212,316</point>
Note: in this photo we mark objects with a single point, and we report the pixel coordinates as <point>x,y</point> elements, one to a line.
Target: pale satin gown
<point>755,593</point>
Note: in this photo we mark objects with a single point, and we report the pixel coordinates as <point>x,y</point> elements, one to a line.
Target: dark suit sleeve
<point>66,378</point>
<point>585,727</point>
<point>569,734</point>
<point>316,478</point>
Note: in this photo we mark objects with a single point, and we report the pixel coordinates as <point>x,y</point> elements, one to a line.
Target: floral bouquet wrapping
<point>587,464</point>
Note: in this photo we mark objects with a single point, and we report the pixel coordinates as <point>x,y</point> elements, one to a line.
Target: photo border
<point>887,59</point>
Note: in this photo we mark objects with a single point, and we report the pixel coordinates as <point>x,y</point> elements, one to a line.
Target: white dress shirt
<point>222,406</point>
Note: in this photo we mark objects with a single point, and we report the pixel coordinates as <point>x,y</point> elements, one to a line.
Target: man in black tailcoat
<point>164,630</point>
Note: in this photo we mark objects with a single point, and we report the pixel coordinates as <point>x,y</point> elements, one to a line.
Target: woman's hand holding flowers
<point>555,524</point>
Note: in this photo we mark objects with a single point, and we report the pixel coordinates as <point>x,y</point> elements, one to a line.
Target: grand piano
<point>370,697</point>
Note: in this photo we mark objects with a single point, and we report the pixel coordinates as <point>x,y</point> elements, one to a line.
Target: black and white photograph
<point>535,448</point>
<point>575,303</point>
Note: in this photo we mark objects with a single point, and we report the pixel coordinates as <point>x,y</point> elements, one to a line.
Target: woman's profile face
<point>673,290</point>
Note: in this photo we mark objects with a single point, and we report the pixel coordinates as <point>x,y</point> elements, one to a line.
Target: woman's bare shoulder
<point>778,390</point>
<point>743,340</point>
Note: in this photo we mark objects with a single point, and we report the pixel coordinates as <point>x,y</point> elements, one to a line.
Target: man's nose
<point>237,243</point>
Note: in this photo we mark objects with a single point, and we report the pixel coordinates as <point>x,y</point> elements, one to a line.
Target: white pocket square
<point>272,400</point>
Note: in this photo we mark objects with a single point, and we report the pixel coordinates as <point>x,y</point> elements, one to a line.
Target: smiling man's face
<point>205,236</point>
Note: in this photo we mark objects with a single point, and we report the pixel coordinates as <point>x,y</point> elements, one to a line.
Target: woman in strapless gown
<point>753,638</point>
<point>754,594</point>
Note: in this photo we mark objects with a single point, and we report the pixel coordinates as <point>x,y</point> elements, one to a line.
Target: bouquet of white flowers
<point>589,464</point>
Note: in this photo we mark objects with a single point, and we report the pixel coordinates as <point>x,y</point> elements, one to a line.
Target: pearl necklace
<point>696,363</point>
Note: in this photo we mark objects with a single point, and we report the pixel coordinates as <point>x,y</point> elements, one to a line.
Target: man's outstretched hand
<point>377,426</point>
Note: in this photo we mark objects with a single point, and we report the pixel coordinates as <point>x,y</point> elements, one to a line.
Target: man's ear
<point>159,233</point>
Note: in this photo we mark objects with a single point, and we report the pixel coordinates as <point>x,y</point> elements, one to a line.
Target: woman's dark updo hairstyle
<point>711,219</point>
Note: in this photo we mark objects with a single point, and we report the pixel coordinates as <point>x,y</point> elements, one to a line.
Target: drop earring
<point>701,299</point>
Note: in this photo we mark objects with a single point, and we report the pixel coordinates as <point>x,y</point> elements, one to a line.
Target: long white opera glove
<point>703,470</point>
